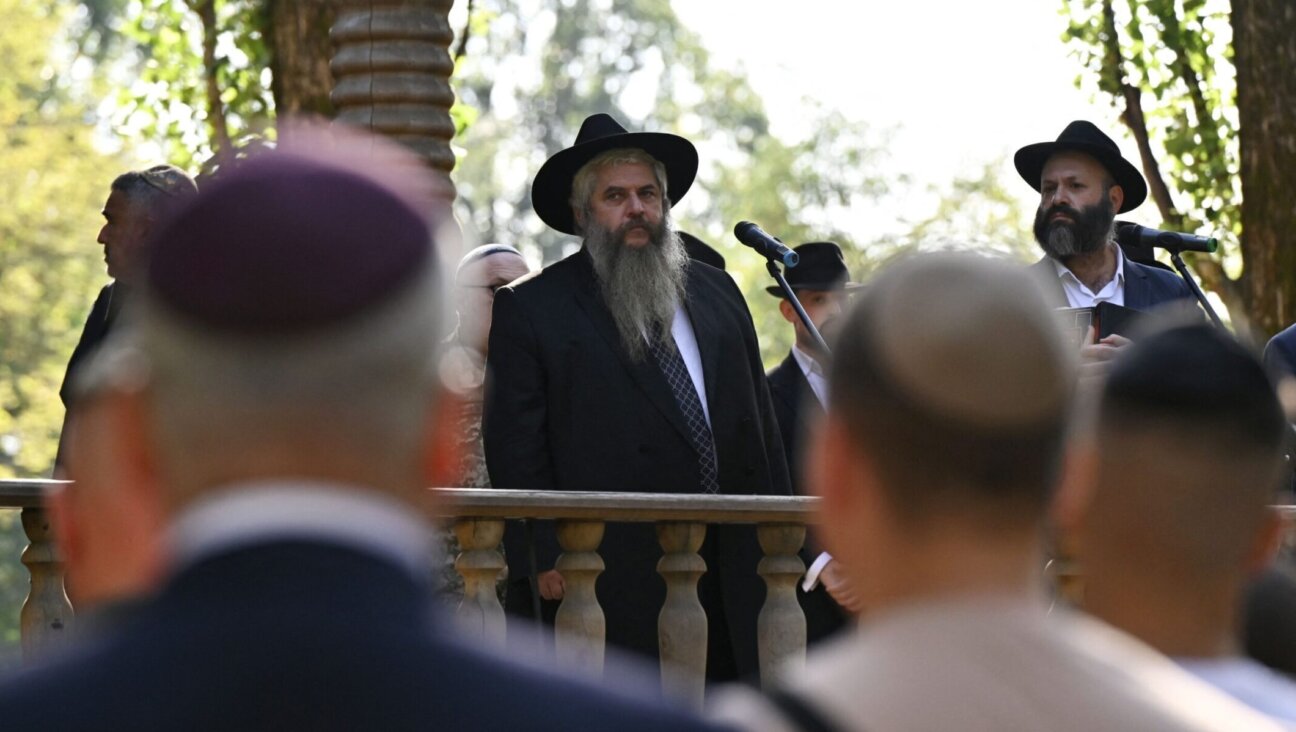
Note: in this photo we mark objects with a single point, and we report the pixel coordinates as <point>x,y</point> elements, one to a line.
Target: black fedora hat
<point>1084,137</point>
<point>822,267</point>
<point>551,190</point>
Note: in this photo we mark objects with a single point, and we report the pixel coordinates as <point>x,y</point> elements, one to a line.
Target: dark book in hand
<point>1105,318</point>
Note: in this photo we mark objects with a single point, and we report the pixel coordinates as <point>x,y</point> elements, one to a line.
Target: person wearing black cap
<point>821,281</point>
<point>627,367</point>
<point>290,404</point>
<point>1083,183</point>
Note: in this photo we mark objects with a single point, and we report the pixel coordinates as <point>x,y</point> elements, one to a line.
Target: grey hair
<point>582,189</point>
<point>157,189</point>
<point>362,387</point>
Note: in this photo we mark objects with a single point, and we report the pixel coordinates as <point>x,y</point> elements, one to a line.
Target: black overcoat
<point>567,409</point>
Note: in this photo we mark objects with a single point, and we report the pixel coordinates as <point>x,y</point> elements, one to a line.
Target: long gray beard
<point>642,287</point>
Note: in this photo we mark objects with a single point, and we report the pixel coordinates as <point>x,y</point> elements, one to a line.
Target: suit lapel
<point>644,373</point>
<point>1137,295</point>
<point>809,400</point>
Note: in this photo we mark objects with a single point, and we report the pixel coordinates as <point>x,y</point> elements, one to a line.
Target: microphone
<point>1131,234</point>
<point>769,247</point>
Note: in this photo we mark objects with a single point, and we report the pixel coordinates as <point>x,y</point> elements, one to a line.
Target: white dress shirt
<point>813,373</point>
<point>1079,295</point>
<point>686,342</point>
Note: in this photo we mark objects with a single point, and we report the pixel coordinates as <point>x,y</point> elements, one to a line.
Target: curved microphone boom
<point>1131,234</point>
<point>769,247</point>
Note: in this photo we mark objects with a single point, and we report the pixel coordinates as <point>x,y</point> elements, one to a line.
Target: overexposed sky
<point>960,83</point>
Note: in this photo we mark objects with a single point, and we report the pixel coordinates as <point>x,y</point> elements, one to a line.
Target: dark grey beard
<point>1089,232</point>
<point>642,287</point>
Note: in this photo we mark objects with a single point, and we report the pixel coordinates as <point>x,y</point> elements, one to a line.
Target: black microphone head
<point>742,227</point>
<point>1128,234</point>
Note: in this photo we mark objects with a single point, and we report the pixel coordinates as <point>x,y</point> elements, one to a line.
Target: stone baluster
<point>781,627</point>
<point>392,67</point>
<point>480,563</point>
<point>46,618</point>
<point>580,629</point>
<point>682,625</point>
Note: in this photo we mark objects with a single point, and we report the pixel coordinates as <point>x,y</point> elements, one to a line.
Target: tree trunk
<point>298,33</point>
<point>1264,44</point>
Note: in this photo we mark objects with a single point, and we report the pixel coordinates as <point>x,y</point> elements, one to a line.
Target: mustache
<point>1062,208</point>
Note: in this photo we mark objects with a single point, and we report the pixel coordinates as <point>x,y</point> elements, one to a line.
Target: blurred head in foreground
<point>950,390</point>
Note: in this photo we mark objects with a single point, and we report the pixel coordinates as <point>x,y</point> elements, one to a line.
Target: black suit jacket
<point>98,324</point>
<point>1145,287</point>
<point>567,409</point>
<point>300,635</point>
<point>796,406</point>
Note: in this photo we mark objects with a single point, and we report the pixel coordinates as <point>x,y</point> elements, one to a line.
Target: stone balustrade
<point>477,517</point>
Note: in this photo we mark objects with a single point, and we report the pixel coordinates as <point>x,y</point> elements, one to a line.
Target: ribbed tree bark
<point>1264,46</point>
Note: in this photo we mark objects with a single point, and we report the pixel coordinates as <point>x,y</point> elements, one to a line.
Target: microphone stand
<point>796,305</point>
<point>1192,285</point>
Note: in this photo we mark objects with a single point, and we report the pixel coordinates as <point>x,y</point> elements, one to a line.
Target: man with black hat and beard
<point>1083,183</point>
<point>628,367</point>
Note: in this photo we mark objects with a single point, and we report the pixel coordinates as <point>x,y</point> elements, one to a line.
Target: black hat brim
<point>777,291</point>
<point>1030,162</point>
<point>551,190</point>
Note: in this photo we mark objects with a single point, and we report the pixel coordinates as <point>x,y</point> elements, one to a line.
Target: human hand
<point>551,585</point>
<point>839,588</point>
<point>1096,357</point>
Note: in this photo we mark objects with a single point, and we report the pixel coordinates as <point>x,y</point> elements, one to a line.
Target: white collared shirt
<point>1079,295</point>
<point>813,373</point>
<point>686,342</point>
<point>256,512</point>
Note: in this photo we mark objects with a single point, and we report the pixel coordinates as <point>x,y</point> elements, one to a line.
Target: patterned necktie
<point>672,367</point>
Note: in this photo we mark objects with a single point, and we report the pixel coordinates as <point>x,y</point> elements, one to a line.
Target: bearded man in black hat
<point>1083,183</point>
<point>799,387</point>
<point>629,367</point>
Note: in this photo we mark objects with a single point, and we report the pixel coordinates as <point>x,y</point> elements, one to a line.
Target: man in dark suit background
<point>628,367</point>
<point>137,201</point>
<point>1083,183</point>
<point>821,282</point>
<point>289,404</point>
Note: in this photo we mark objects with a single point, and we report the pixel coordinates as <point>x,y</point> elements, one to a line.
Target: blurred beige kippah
<point>969,339</point>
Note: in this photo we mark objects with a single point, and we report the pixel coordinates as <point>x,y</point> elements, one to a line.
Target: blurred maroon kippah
<point>287,243</point>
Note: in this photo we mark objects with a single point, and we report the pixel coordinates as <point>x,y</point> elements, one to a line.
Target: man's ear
<point>131,418</point>
<point>1268,540</point>
<point>787,311</point>
<point>1076,485</point>
<point>442,452</point>
<point>1116,195</point>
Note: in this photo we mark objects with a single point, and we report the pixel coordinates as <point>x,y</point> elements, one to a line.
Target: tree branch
<point>206,10</point>
<point>462,47</point>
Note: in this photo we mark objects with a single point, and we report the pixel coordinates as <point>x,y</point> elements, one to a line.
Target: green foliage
<point>167,102</point>
<point>53,182</point>
<point>1178,55</point>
